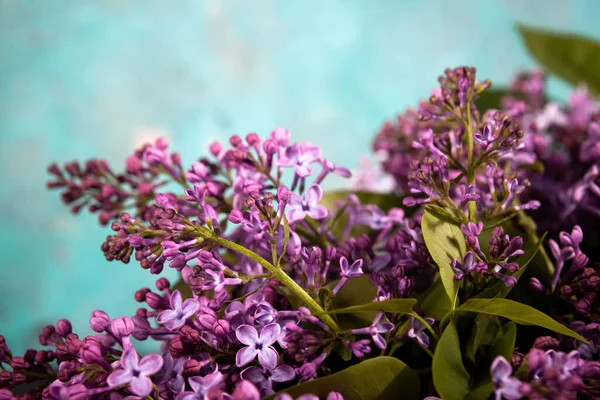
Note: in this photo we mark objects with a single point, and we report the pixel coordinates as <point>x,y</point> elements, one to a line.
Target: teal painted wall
<point>94,78</point>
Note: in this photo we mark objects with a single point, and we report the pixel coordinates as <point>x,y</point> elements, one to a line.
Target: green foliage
<point>574,58</point>
<point>445,242</point>
<point>398,306</point>
<point>516,312</point>
<point>450,377</point>
<point>379,378</point>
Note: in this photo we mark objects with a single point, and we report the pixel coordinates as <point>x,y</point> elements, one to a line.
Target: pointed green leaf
<point>380,378</point>
<point>355,292</point>
<point>516,312</point>
<point>571,57</point>
<point>398,306</point>
<point>482,392</point>
<point>436,302</point>
<point>450,377</point>
<point>286,238</point>
<point>504,344</point>
<point>445,242</point>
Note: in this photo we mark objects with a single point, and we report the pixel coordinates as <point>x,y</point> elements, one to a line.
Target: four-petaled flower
<point>264,378</point>
<point>300,157</point>
<point>378,327</point>
<point>465,268</point>
<point>505,386</point>
<point>258,345</point>
<point>202,385</point>
<point>136,372</point>
<point>419,331</point>
<point>175,318</point>
<point>486,137</point>
<point>309,205</point>
<point>173,370</point>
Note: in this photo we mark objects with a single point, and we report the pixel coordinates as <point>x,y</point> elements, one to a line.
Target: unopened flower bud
<point>122,327</point>
<point>99,321</point>
<point>162,284</point>
<point>221,328</point>
<point>63,327</point>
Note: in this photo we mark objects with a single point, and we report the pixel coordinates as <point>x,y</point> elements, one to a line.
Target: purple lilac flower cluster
<point>266,259</point>
<point>243,240</point>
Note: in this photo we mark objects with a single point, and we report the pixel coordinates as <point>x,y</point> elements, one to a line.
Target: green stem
<point>283,278</point>
<point>429,328</point>
<point>470,166</point>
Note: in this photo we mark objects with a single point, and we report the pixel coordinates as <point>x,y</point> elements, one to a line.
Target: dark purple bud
<point>583,306</point>
<point>536,285</point>
<point>122,327</point>
<point>18,363</point>
<point>221,328</point>
<point>162,284</point>
<point>29,355</point>
<point>193,367</point>
<point>99,321</point>
<point>176,347</point>
<point>590,370</point>
<point>546,343</point>
<point>73,343</point>
<point>566,291</point>
<point>63,327</point>
<point>154,300</point>
<point>330,253</point>
<point>551,374</point>
<point>190,334</point>
<point>580,261</point>
<point>283,194</point>
<point>572,383</point>
<point>536,359</point>
<point>140,295</point>
<point>141,328</point>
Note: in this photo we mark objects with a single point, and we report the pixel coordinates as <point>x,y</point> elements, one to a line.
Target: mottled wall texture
<point>96,78</point>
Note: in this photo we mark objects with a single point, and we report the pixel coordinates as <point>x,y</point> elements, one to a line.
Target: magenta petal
<point>141,386</point>
<point>268,357</point>
<point>119,377</point>
<point>247,335</point>
<point>500,369</point>
<point>303,170</point>
<point>151,364</point>
<point>270,334</point>
<point>245,356</point>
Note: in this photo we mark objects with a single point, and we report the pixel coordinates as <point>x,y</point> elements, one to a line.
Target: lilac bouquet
<point>475,276</point>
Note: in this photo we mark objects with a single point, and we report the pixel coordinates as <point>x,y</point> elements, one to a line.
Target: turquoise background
<point>82,79</point>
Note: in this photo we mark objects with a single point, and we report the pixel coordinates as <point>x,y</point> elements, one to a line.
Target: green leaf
<point>516,312</point>
<point>450,378</point>
<point>485,329</point>
<point>491,98</point>
<point>574,58</point>
<point>481,392</point>
<point>184,289</point>
<point>445,243</point>
<point>504,344</point>
<point>398,306</point>
<point>355,292</point>
<point>286,238</point>
<point>442,214</point>
<point>436,302</point>
<point>379,378</point>
<point>385,201</point>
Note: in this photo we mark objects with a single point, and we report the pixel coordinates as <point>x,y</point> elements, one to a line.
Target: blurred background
<point>97,79</point>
